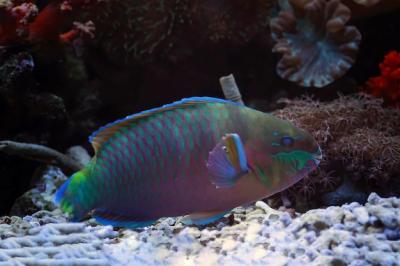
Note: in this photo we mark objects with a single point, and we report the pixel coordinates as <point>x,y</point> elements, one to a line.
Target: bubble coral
<point>316,44</point>
<point>387,85</point>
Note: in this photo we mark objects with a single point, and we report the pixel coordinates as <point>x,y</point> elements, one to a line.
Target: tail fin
<point>72,196</point>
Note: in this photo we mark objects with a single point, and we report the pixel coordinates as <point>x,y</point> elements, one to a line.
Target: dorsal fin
<point>104,133</point>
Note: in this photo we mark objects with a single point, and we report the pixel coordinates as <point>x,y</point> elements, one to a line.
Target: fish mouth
<point>311,164</point>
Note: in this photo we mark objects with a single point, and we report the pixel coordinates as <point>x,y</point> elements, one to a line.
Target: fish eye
<point>287,141</point>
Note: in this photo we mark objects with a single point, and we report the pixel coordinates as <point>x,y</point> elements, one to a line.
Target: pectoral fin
<point>203,218</point>
<point>227,162</point>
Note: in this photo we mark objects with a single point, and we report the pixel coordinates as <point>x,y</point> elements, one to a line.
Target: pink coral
<point>15,18</point>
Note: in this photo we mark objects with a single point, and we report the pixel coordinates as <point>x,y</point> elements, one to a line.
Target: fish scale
<point>156,163</point>
<point>120,165</point>
<point>162,150</point>
<point>158,153</point>
<point>167,144</point>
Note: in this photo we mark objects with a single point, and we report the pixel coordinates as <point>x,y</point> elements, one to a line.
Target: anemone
<point>316,44</point>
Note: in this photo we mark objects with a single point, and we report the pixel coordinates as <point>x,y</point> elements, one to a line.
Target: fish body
<point>199,156</point>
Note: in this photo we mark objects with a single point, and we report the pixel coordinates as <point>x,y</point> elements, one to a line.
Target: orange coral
<point>387,85</point>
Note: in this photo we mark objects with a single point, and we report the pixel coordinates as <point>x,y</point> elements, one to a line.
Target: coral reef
<point>132,30</point>
<point>360,140</point>
<point>317,45</point>
<point>352,234</point>
<point>387,85</point>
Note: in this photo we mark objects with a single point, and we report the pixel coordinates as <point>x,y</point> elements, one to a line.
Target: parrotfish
<point>198,158</point>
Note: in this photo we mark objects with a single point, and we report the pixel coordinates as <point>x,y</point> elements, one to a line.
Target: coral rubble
<point>352,234</point>
<point>46,239</point>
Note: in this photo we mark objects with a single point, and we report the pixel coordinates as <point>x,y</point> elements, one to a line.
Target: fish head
<point>281,154</point>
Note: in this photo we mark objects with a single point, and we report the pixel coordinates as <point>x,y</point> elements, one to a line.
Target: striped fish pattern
<point>199,156</point>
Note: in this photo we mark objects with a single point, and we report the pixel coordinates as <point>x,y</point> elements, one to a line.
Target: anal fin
<point>107,218</point>
<point>203,218</point>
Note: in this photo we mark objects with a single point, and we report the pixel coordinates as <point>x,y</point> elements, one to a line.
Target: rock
<point>346,193</point>
<point>381,258</point>
<point>361,214</point>
<point>40,197</point>
<point>351,234</point>
<point>386,216</point>
<point>79,154</point>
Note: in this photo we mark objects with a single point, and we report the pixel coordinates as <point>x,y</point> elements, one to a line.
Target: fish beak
<point>317,156</point>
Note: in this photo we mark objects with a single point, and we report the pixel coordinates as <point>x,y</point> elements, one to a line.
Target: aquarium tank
<point>200,132</point>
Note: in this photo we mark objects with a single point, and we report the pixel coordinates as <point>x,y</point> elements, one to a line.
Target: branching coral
<point>316,44</point>
<point>235,21</point>
<point>358,137</point>
<point>22,21</point>
<point>15,18</point>
<point>387,85</point>
<point>129,30</point>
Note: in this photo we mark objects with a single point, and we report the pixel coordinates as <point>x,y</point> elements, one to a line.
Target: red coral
<point>14,20</point>
<point>387,85</point>
<point>21,21</point>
